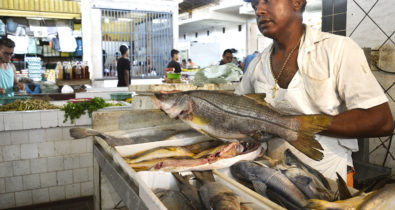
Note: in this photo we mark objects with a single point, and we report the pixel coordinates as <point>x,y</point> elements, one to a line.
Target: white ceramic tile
<point>54,134</point>
<point>375,38</point>
<point>39,165</point>
<point>72,162</point>
<point>354,16</point>
<point>11,152</point>
<point>63,147</point>
<point>20,137</point>
<point>37,136</point>
<point>57,193</point>
<point>86,160</point>
<point>21,167</point>
<point>5,138</point>
<point>365,4</point>
<point>46,149</point>
<point>13,184</point>
<point>7,200</point>
<point>382,13</point>
<point>2,185</point>
<point>49,118</point>
<point>31,120</point>
<point>13,121</point>
<point>31,181</point>
<point>64,177</point>
<point>23,198</point>
<point>89,144</point>
<point>87,188</point>
<point>40,196</point>
<point>6,169</point>
<point>1,155</point>
<point>66,134</point>
<point>48,179</point>
<point>2,126</point>
<point>84,120</point>
<point>73,191</point>
<point>55,164</point>
<point>78,146</point>
<point>80,175</point>
<point>29,151</point>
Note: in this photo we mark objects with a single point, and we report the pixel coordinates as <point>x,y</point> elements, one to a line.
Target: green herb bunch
<point>74,111</point>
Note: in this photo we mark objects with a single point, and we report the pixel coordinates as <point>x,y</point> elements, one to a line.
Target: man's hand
<point>2,91</point>
<point>21,86</point>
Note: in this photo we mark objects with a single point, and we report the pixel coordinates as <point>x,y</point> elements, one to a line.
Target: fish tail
<point>321,205</point>
<point>204,176</point>
<point>308,126</point>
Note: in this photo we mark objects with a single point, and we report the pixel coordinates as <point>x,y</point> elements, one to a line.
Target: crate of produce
<point>120,96</point>
<point>7,100</point>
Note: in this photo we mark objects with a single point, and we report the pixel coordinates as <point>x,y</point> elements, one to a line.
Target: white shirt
<point>333,77</point>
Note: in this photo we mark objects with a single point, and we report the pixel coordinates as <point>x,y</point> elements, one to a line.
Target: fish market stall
<point>140,130</point>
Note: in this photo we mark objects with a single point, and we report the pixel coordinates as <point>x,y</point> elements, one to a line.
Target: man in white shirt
<point>306,71</point>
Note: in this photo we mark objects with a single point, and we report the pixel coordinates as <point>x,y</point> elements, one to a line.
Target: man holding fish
<point>308,72</point>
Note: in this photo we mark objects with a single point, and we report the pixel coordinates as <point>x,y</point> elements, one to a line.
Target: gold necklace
<point>275,88</point>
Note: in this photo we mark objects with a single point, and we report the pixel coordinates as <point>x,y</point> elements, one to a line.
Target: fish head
<point>175,105</point>
<point>225,201</point>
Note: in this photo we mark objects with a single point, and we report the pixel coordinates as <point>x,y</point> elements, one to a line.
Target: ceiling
<point>188,5</point>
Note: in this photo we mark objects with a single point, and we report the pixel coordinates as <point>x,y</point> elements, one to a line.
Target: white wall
<point>91,25</point>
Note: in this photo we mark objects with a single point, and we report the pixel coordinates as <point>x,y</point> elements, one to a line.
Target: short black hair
<point>227,51</point>
<point>123,49</point>
<point>189,59</point>
<point>183,60</point>
<point>174,52</point>
<point>303,7</point>
<point>7,42</point>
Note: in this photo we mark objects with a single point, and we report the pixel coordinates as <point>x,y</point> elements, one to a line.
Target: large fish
<point>215,195</point>
<point>161,152</point>
<point>264,178</point>
<point>228,116</point>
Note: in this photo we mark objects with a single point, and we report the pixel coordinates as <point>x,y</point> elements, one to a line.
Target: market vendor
<point>174,61</point>
<point>7,69</point>
<point>306,71</point>
<point>123,67</point>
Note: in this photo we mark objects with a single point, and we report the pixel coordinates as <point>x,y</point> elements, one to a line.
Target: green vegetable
<point>29,104</point>
<point>74,111</point>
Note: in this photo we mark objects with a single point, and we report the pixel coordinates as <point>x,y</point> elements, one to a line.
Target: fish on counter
<point>264,178</point>
<point>190,191</point>
<point>228,116</point>
<point>174,200</point>
<point>215,195</point>
<point>382,199</point>
<point>220,156</point>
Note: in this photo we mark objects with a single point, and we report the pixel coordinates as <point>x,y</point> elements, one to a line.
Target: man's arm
<point>16,83</point>
<point>362,123</point>
<point>126,77</point>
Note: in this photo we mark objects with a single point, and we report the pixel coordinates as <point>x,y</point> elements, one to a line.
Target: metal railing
<point>148,35</point>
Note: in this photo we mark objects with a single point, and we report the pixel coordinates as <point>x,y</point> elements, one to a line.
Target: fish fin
<point>344,193</point>
<point>307,144</point>
<point>320,204</point>
<point>199,120</point>
<point>303,180</point>
<point>312,124</point>
<point>204,176</point>
<point>180,178</point>
<point>260,187</point>
<point>290,158</point>
<point>258,97</point>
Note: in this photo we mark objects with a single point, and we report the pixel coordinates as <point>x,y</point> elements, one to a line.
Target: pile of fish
<point>227,116</point>
<point>204,155</point>
<point>207,194</point>
<point>295,185</point>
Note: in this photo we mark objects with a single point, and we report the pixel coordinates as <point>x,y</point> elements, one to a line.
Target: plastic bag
<point>67,89</point>
<point>2,28</point>
<point>218,74</point>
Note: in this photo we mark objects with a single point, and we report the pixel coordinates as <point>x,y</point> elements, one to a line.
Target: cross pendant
<point>275,88</point>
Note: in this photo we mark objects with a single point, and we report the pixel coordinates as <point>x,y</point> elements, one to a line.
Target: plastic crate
<point>8,100</point>
<point>120,96</point>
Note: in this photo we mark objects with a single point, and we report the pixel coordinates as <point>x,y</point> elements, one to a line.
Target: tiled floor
<point>85,203</point>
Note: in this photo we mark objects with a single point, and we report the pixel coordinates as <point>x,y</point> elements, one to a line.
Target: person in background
<point>123,67</point>
<point>173,63</point>
<point>8,78</point>
<point>114,64</point>
<point>248,60</point>
<point>184,63</point>
<point>190,63</point>
<point>306,71</point>
<point>227,57</point>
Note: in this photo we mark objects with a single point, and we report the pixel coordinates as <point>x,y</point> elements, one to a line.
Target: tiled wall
<point>39,162</point>
<point>334,15</point>
<point>371,23</point>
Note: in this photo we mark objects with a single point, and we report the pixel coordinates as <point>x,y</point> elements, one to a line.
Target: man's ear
<point>298,4</point>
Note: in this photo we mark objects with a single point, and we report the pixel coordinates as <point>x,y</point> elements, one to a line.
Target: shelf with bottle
<point>72,73</point>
